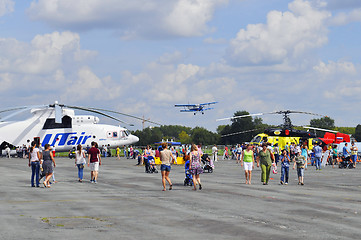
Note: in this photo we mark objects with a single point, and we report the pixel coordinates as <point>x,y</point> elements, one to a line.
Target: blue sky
<point>142,57</point>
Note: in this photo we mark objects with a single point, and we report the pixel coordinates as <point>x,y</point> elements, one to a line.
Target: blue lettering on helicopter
<point>65,138</point>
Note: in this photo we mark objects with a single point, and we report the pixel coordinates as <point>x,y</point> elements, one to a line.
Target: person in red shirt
<point>94,161</point>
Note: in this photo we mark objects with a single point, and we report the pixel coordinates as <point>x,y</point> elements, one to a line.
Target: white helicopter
<point>57,125</point>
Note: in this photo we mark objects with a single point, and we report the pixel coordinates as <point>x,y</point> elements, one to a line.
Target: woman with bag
<point>80,161</point>
<point>266,158</point>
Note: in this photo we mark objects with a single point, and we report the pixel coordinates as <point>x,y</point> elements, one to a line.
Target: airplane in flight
<point>58,125</point>
<point>195,107</point>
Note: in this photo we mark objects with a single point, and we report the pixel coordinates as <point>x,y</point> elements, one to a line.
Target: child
<point>285,167</point>
<point>300,161</point>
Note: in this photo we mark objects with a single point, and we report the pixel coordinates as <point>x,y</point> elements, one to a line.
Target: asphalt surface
<point>127,203</point>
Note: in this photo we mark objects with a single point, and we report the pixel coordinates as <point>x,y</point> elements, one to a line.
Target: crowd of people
<point>265,156</point>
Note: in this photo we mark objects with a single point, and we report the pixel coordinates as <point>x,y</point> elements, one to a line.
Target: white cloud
<point>53,66</point>
<point>144,18</point>
<point>344,18</point>
<point>6,6</point>
<point>344,4</point>
<point>189,17</point>
<point>332,68</point>
<point>88,85</point>
<point>44,55</point>
<point>285,36</point>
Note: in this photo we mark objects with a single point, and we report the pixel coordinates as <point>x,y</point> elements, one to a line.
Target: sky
<point>141,57</point>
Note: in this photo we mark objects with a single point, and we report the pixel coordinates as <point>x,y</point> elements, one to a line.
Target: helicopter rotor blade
<point>320,129</point>
<point>18,111</point>
<point>128,115</point>
<point>236,133</point>
<point>98,112</point>
<point>248,115</point>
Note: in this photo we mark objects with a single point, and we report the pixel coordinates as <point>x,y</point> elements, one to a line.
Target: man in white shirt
<point>214,153</point>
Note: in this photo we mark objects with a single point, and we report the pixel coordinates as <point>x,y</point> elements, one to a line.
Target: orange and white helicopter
<point>57,125</point>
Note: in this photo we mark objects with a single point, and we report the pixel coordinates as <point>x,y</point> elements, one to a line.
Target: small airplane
<point>195,107</point>
<point>57,125</point>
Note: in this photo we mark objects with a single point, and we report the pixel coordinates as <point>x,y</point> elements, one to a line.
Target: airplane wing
<point>185,105</point>
<point>207,104</point>
<point>187,110</point>
<point>204,109</point>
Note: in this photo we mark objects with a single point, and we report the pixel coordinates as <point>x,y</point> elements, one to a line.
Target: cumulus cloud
<point>285,36</point>
<point>6,6</point>
<point>332,68</point>
<point>44,55</point>
<point>145,18</point>
<point>344,18</point>
<point>337,4</point>
<point>53,65</point>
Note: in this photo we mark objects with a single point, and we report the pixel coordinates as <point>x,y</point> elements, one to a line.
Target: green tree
<point>203,136</point>
<point>184,138</point>
<point>358,133</point>
<point>324,122</point>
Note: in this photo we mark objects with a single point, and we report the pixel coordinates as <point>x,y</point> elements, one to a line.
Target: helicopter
<point>57,125</point>
<point>285,133</point>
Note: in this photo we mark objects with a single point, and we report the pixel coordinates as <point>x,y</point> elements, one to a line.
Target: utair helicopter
<point>57,125</point>
<point>285,133</point>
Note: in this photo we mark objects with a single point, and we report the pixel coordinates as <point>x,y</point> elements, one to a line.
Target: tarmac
<point>128,203</point>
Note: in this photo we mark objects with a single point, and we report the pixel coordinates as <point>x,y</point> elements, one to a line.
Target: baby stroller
<point>207,164</point>
<point>188,181</point>
<point>346,163</point>
<point>150,165</point>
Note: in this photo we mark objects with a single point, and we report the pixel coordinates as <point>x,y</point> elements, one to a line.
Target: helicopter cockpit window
<point>122,134</point>
<point>256,139</point>
<point>51,124</point>
<point>127,133</point>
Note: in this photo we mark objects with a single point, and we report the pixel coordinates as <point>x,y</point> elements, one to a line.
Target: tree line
<point>238,131</point>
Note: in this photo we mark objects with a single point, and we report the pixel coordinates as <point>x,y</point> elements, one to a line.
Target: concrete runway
<point>129,204</point>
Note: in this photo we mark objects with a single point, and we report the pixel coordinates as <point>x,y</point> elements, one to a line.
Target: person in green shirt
<point>265,158</point>
<point>247,161</point>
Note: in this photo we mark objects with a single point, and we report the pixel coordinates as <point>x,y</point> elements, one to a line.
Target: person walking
<point>318,154</point>
<point>167,158</point>
<point>285,167</point>
<point>94,161</point>
<point>80,161</point>
<point>304,152</point>
<point>265,159</point>
<point>276,153</point>
<point>300,162</point>
<point>354,151</point>
<point>225,153</point>
<point>247,160</point>
<point>48,162</point>
<point>34,163</point>
<point>214,153</point>
<point>118,152</point>
<point>195,166</point>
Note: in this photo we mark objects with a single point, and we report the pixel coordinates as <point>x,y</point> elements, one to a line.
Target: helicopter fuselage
<point>73,130</point>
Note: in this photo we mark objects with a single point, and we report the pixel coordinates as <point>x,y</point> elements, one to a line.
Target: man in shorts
<point>94,160</point>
